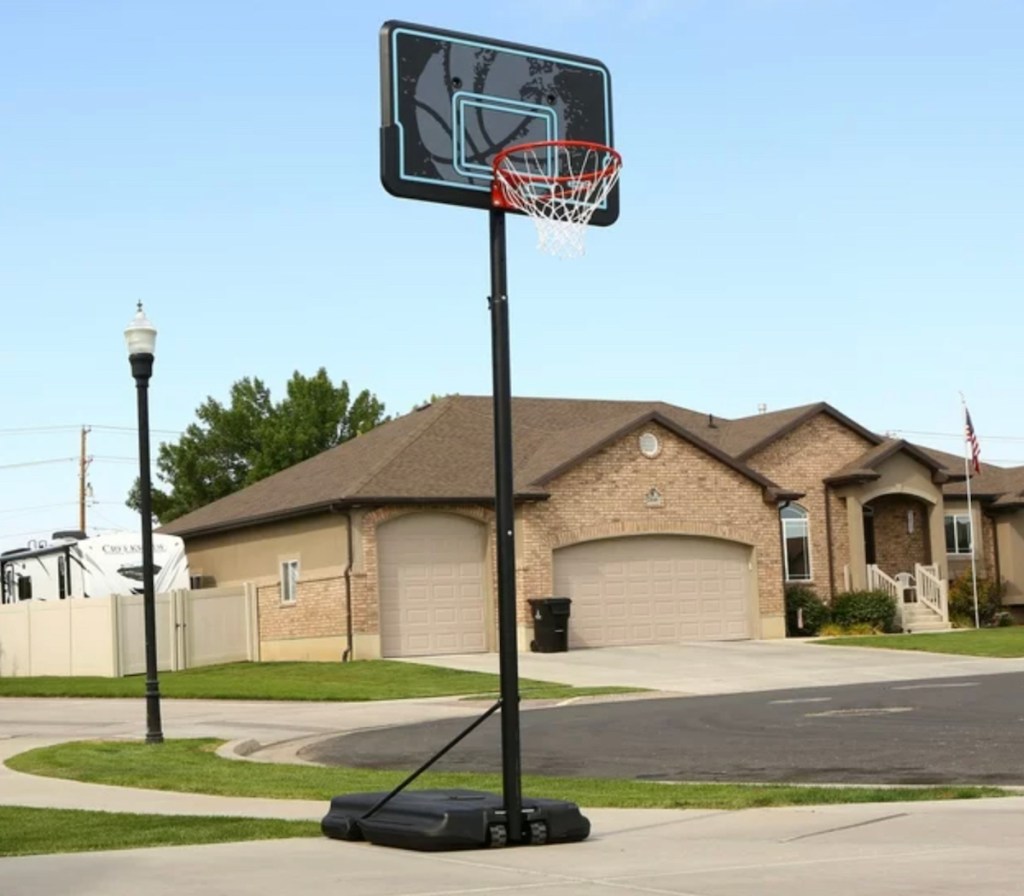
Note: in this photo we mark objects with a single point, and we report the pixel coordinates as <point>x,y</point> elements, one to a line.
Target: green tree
<point>230,447</point>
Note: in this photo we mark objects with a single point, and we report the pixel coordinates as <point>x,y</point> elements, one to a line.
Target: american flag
<point>972,440</point>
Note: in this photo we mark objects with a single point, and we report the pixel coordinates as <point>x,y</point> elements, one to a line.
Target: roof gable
<point>749,435</point>
<point>867,466</point>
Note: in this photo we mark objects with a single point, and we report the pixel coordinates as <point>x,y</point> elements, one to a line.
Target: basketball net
<point>559,184</point>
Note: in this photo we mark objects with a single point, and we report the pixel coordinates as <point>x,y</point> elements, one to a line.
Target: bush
<point>864,608</point>
<point>961,598</point>
<point>831,630</point>
<point>814,611</point>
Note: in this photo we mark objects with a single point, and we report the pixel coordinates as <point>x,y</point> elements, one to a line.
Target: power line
<point>69,427</point>
<point>36,463</point>
<point>32,429</point>
<point>38,507</point>
<point>957,435</point>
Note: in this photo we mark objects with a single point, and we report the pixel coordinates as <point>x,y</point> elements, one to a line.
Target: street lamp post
<point>140,337</point>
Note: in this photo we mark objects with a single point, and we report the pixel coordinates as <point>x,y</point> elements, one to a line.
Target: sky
<point>822,200</point>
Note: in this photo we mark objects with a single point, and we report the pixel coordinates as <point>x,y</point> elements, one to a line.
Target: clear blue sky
<point>822,200</point>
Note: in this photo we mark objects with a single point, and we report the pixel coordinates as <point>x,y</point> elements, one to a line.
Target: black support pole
<point>142,370</point>
<point>505,523</point>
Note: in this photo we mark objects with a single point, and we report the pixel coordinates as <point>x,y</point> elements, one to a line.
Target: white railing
<point>879,581</point>
<point>932,590</point>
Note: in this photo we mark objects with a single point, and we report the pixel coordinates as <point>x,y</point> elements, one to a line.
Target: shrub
<point>831,630</point>
<point>871,608</point>
<point>806,613</point>
<point>861,628</point>
<point>961,598</point>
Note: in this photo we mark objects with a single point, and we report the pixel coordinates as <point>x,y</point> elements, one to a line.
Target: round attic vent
<point>649,445</point>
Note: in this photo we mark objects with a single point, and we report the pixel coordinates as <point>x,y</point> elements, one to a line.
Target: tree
<point>231,447</point>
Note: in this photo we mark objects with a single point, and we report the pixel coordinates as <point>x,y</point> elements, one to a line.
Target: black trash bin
<point>550,624</point>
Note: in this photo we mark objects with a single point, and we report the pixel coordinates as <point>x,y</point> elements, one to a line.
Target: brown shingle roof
<point>748,435</point>
<point>866,466</point>
<point>445,452</point>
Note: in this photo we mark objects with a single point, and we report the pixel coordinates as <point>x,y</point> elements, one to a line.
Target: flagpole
<point>970,514</point>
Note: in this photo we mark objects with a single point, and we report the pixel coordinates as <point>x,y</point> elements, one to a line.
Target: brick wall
<point>318,610</point>
<point>607,495</point>
<point>801,461</point>
<point>897,549</point>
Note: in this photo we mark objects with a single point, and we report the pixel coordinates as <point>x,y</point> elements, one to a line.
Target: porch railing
<point>932,590</point>
<point>879,581</point>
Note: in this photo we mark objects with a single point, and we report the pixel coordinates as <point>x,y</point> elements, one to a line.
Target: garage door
<point>655,590</point>
<point>431,585</point>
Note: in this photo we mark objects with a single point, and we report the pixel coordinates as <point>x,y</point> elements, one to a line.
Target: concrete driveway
<point>730,667</point>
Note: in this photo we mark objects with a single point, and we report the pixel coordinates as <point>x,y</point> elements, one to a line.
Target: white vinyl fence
<point>106,636</point>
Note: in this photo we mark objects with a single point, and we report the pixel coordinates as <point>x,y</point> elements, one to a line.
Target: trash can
<point>550,624</point>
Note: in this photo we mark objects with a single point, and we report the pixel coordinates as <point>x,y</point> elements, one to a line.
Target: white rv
<point>74,565</point>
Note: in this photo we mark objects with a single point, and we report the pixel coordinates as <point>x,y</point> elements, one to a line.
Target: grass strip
<point>192,766</point>
<point>989,642</point>
<point>363,680</point>
<point>40,831</point>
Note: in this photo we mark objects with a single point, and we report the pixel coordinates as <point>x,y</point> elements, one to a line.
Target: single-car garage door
<point>431,585</point>
<point>655,589</point>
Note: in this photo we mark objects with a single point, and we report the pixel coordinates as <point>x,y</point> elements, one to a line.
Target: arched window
<point>796,543</point>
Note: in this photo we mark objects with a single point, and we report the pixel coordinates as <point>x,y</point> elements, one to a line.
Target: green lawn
<point>39,831</point>
<point>993,642</point>
<point>358,681</point>
<point>193,766</point>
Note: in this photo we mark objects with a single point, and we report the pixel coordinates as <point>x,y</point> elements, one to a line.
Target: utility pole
<point>83,485</point>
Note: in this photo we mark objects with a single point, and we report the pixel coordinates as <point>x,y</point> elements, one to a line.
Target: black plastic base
<point>436,820</point>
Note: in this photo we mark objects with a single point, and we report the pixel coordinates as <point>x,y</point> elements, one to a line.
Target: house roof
<point>866,467</point>
<point>748,435</point>
<point>444,452</point>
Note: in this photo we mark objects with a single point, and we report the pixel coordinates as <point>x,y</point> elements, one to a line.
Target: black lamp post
<point>140,337</point>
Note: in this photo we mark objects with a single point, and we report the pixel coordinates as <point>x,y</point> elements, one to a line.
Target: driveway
<point>731,667</point>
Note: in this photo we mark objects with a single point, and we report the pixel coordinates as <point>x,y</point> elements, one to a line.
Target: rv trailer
<point>74,565</point>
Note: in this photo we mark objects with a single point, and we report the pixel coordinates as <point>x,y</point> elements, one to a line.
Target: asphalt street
<point>930,731</point>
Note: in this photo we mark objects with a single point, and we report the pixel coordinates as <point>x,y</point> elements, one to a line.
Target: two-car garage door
<point>655,589</point>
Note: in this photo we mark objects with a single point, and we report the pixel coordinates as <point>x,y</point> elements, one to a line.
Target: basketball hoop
<point>558,183</point>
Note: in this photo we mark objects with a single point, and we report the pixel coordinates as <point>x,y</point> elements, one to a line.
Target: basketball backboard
<point>450,102</point>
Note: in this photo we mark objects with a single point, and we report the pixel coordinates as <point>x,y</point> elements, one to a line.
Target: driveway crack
<point>846,827</point>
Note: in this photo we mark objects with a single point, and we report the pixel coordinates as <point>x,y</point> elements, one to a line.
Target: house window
<point>289,581</point>
<point>796,543</point>
<point>62,578</point>
<point>958,533</point>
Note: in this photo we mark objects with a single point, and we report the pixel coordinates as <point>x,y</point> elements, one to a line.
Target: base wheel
<point>538,833</point>
<point>497,835</point>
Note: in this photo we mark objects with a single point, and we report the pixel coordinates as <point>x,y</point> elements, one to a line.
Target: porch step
<point>921,619</point>
<point>911,626</point>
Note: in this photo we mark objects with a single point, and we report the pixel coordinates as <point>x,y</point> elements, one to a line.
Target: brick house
<point>662,524</point>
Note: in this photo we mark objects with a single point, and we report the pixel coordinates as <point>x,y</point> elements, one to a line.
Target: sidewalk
<point>882,850</point>
<point>876,849</point>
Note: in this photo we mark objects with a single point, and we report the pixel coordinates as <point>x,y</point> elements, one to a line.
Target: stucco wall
<point>313,626</point>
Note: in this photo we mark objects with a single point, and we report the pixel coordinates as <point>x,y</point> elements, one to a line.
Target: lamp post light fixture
<point>140,338</point>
